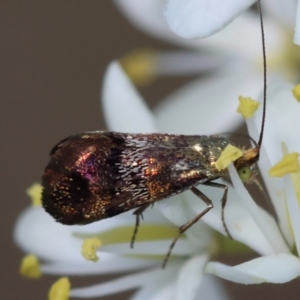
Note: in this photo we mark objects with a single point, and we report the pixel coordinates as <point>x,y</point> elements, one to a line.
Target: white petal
<point>208,105</point>
<point>150,248</point>
<point>180,63</point>
<point>147,15</point>
<point>297,27</point>
<point>232,40</point>
<point>238,220</point>
<point>275,190</point>
<point>177,210</point>
<point>154,289</point>
<point>293,208</point>
<point>107,264</point>
<point>166,293</point>
<point>212,287</point>
<point>201,235</point>
<point>37,232</point>
<point>124,109</point>
<point>278,268</point>
<point>126,282</point>
<point>280,106</point>
<point>150,216</point>
<point>267,226</point>
<point>190,277</point>
<point>200,18</point>
<point>283,11</point>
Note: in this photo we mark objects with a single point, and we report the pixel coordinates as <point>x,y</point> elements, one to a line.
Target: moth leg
<point>138,212</point>
<point>186,226</point>
<point>223,202</point>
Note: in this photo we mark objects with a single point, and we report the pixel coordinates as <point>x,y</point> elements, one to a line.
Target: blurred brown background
<point>53,57</point>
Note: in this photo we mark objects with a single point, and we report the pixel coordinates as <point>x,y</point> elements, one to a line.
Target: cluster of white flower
<point>186,275</point>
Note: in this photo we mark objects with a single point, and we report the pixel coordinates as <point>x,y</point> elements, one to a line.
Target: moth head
<point>245,164</point>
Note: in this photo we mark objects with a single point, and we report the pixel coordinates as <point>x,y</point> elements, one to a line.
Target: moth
<point>98,175</point>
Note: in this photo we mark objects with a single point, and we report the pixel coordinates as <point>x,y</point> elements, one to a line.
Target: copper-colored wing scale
<point>96,175</point>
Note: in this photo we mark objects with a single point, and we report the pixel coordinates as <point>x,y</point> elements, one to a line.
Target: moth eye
<point>245,173</point>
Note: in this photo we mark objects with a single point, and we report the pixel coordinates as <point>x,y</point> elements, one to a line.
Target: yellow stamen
<point>30,267</point>
<point>296,92</point>
<point>147,232</point>
<point>35,193</point>
<point>89,247</point>
<point>294,176</point>
<point>288,164</point>
<point>140,66</point>
<point>247,107</point>
<point>228,155</point>
<point>60,290</point>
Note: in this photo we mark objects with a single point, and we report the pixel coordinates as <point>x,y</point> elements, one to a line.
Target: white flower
<point>247,222</point>
<point>58,246</point>
<point>202,18</point>
<point>148,16</point>
<point>237,45</point>
<point>278,265</point>
<point>197,19</point>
